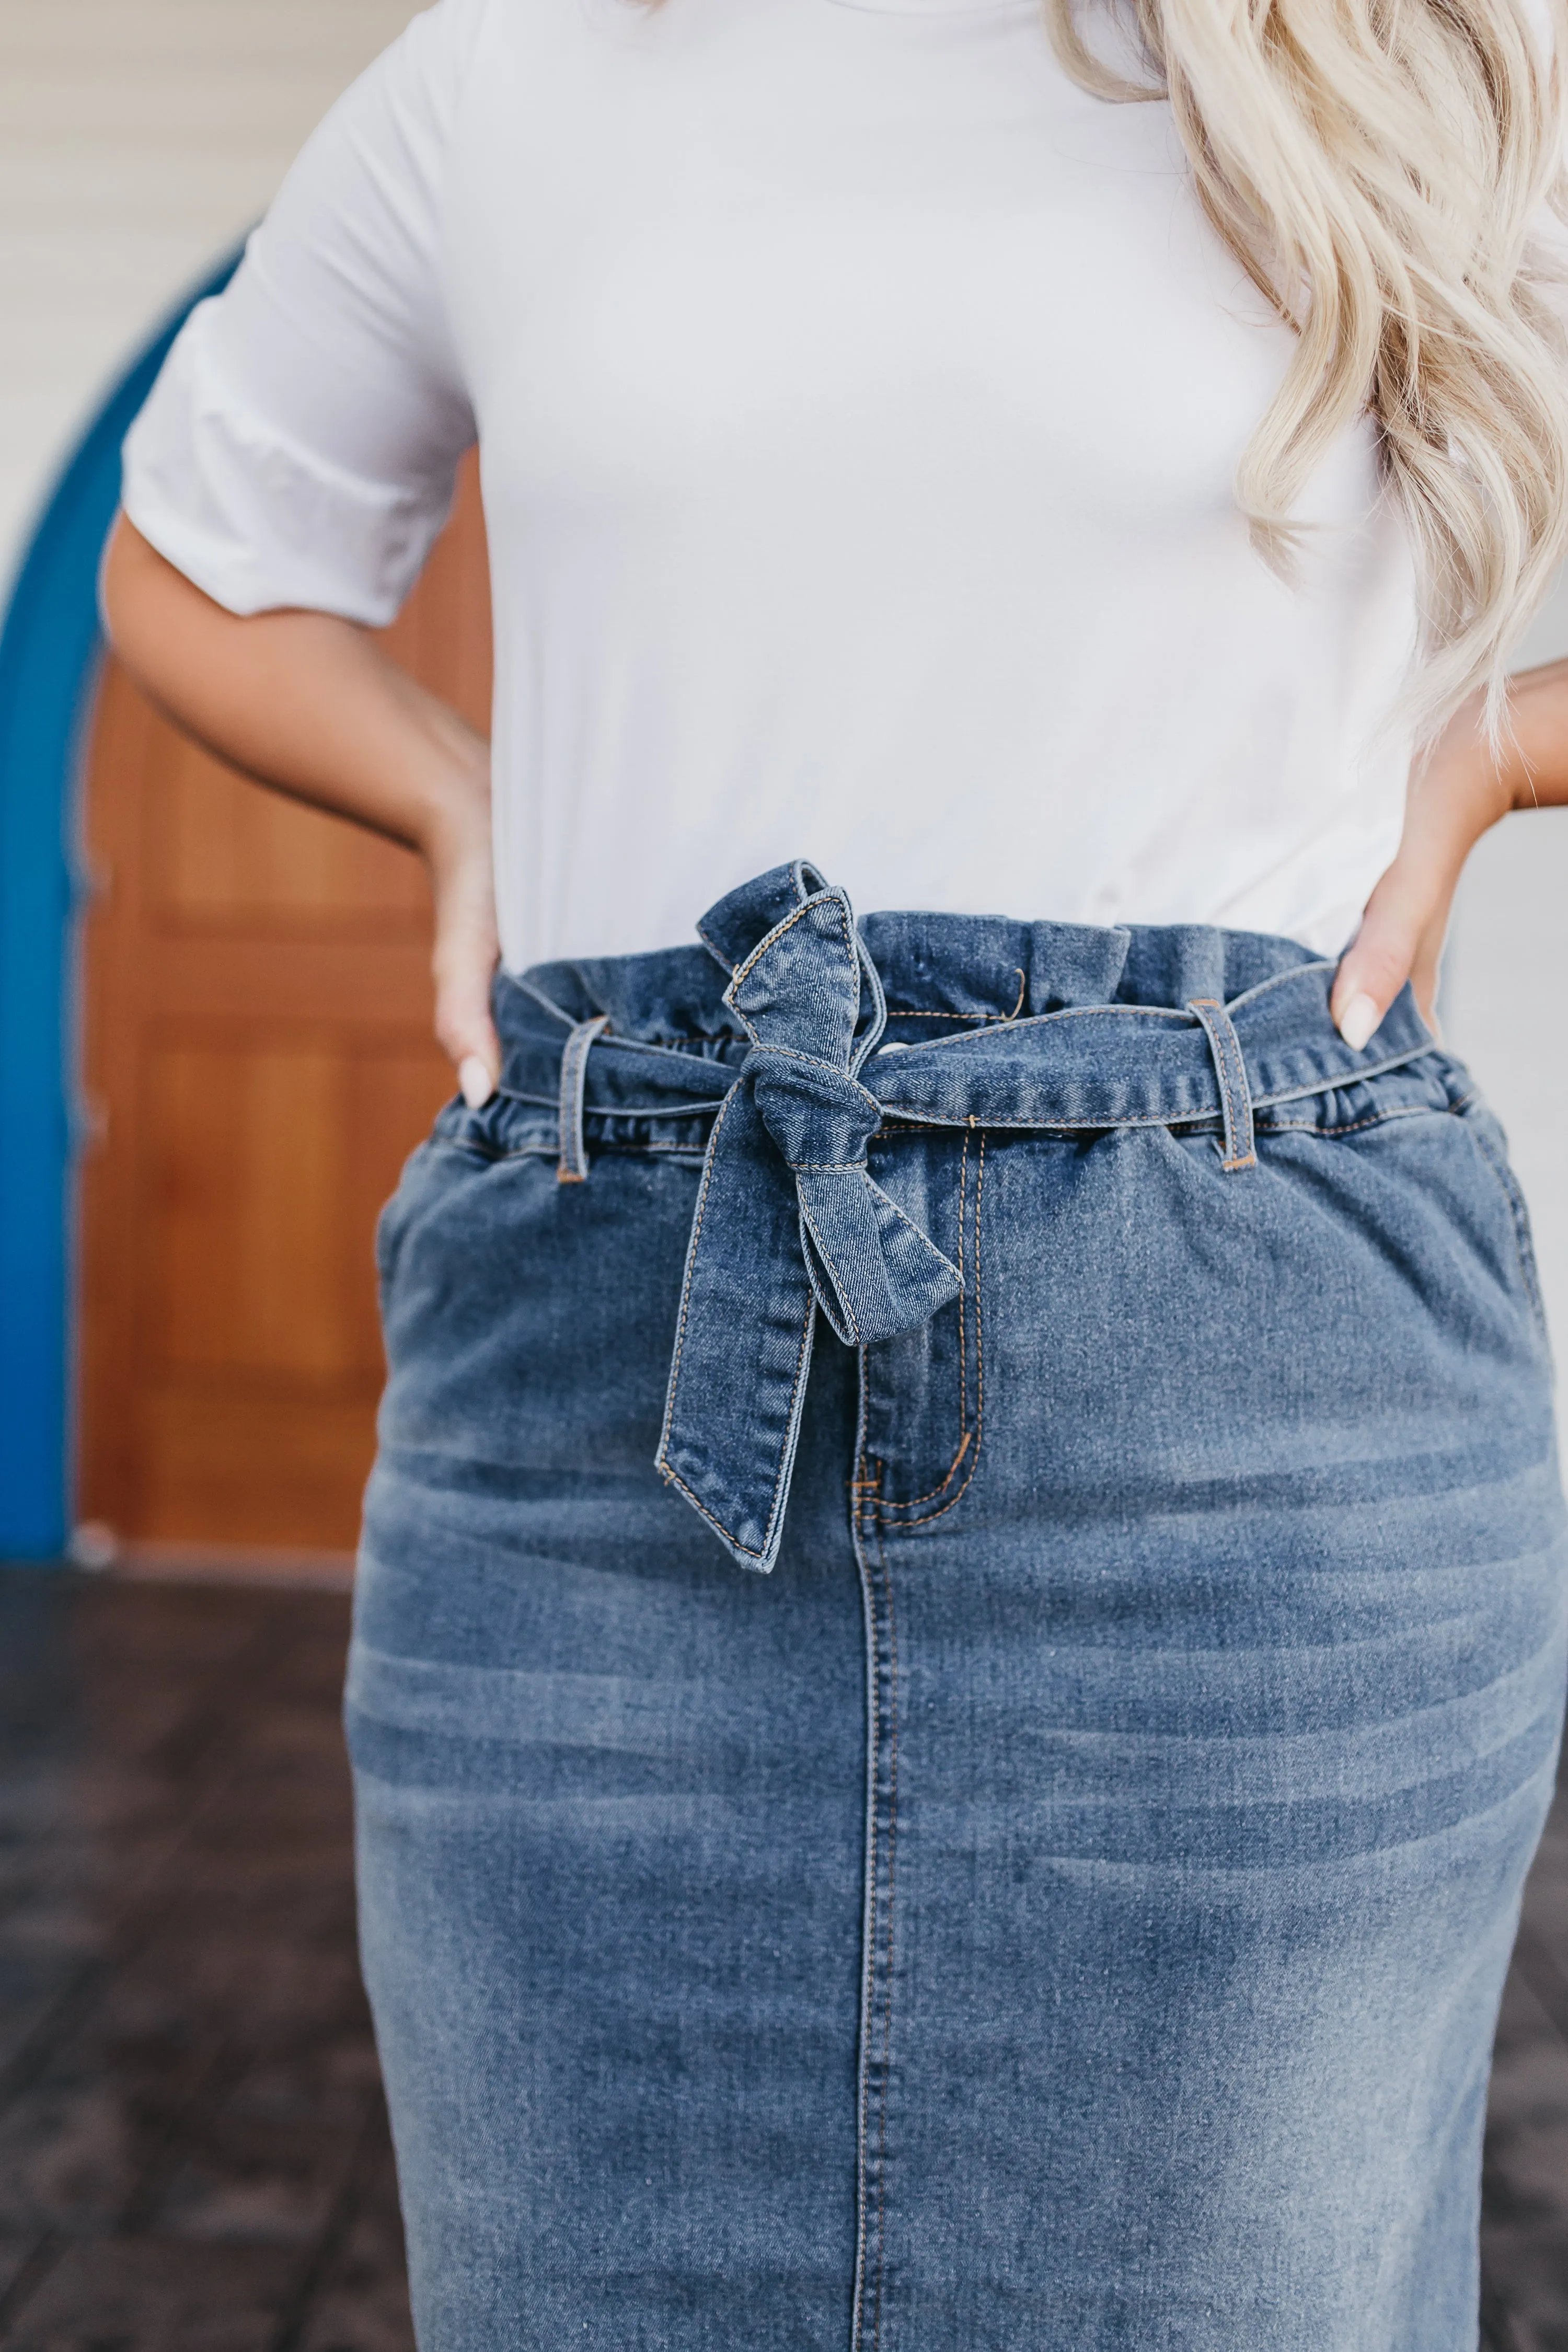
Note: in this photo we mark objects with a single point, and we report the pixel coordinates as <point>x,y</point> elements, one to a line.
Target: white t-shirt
<point>859,405</point>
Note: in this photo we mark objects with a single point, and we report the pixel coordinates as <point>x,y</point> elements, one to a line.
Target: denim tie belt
<point>788,1218</point>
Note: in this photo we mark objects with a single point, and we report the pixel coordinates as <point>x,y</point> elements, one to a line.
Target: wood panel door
<point>259,1062</point>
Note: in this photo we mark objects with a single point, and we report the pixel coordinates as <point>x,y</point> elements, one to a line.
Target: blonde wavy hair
<point>1383,170</point>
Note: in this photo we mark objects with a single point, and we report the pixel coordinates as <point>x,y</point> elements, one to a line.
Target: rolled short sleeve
<point>300,444</point>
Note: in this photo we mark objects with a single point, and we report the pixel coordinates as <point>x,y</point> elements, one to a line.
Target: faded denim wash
<point>1062,1907</point>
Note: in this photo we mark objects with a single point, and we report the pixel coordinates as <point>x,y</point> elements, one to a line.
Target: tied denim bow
<point>788,1218</point>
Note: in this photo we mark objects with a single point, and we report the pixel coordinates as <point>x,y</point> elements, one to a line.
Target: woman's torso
<point>859,403</point>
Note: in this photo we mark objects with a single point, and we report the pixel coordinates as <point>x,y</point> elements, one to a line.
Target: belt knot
<point>818,1117</point>
<point>787,1150</point>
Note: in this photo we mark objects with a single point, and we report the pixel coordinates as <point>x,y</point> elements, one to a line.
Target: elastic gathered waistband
<point>989,1023</point>
<point>795,1035</point>
<point>969,968</point>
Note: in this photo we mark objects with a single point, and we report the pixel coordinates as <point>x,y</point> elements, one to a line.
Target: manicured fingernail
<point>1357,1022</point>
<point>474,1082</point>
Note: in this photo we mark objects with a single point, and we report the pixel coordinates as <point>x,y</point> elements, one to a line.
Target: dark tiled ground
<point>193,2147</point>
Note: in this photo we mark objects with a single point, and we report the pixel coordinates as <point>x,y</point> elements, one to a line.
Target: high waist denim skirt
<point>958,1652</point>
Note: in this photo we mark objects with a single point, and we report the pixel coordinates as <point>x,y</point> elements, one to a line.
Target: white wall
<point>138,138</point>
<point>1505,1000</point>
<point>1505,1005</point>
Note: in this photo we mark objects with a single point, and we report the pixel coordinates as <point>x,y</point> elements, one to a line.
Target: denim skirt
<point>959,1650</point>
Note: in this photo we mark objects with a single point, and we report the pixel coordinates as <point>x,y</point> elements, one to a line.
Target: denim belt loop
<point>573,1166</point>
<point>1235,1095</point>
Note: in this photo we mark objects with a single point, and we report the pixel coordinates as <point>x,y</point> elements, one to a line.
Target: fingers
<point>1402,932</point>
<point>1463,786</point>
<point>1379,961</point>
<point>463,1021</point>
<point>465,1028</point>
<point>1425,972</point>
<point>474,1082</point>
<point>464,965</point>
<point>1358,1017</point>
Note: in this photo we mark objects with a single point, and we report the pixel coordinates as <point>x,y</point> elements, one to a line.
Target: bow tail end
<point>875,1274</point>
<point>743,1346</point>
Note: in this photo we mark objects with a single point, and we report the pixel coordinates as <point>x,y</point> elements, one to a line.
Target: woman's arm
<point>1462,791</point>
<point>310,705</point>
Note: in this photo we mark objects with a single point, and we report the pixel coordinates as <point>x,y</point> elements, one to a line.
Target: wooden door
<point>259,1062</point>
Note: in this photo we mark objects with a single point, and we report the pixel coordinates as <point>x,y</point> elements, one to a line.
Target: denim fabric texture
<point>1062,1906</point>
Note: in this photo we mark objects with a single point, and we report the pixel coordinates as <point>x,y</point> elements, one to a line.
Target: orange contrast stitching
<point>873,1733</point>
<point>913,1526</point>
<point>892,1870</point>
<point>913,1501</point>
<point>1354,1126</point>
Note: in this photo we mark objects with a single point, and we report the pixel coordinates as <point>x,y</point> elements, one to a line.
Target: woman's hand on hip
<point>456,851</point>
<point>310,704</point>
<point>1457,793</point>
